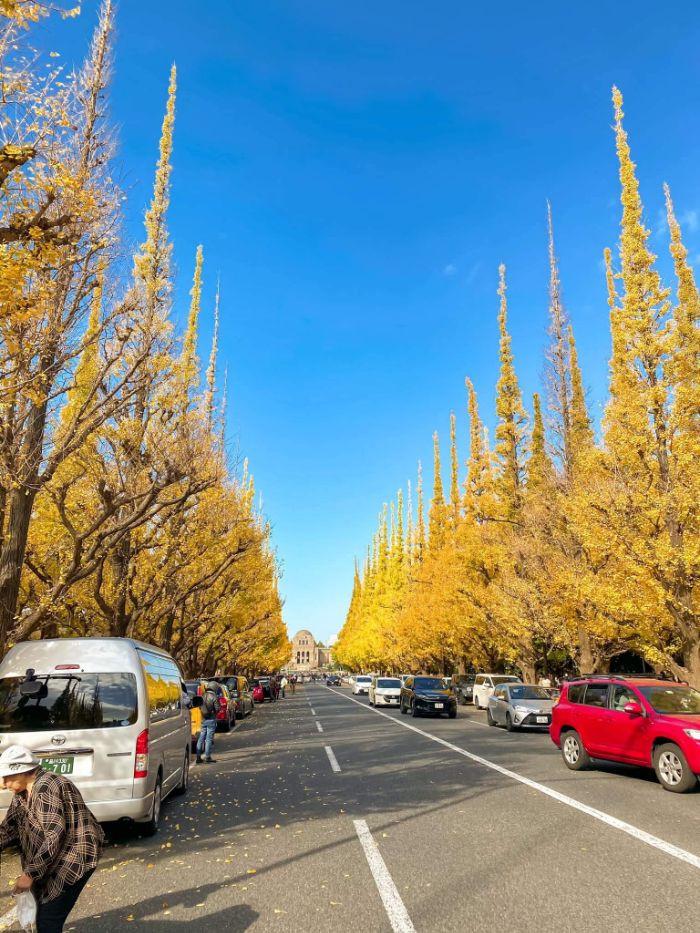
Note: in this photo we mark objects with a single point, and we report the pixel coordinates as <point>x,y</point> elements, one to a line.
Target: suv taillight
<point>141,759</point>
<point>223,702</point>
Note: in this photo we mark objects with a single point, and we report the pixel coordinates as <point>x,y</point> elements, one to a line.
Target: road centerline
<point>635,832</point>
<point>394,906</point>
<point>332,759</point>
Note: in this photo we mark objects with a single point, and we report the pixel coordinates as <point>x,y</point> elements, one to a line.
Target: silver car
<point>519,705</point>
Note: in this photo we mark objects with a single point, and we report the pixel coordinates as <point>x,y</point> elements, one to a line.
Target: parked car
<point>333,680</point>
<point>385,691</point>
<point>361,685</point>
<point>635,720</point>
<point>485,684</point>
<point>258,693</point>
<point>193,690</point>
<point>111,713</point>
<point>464,688</point>
<point>423,694</point>
<point>268,687</point>
<point>226,716</point>
<point>240,691</point>
<point>519,705</point>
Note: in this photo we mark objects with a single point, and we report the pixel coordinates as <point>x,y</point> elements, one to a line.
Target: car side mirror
<point>197,702</point>
<point>633,708</point>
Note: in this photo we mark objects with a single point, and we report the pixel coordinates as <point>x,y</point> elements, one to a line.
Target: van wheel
<point>574,754</point>
<point>672,769</point>
<point>151,827</point>
<point>185,779</point>
<point>476,702</point>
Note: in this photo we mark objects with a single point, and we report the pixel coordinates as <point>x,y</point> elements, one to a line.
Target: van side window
<point>163,685</point>
<point>479,680</point>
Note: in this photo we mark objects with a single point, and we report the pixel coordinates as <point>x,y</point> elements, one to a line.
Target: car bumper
<point>360,690</point>
<point>424,707</point>
<point>109,811</point>
<point>691,750</point>
<point>386,700</point>
<point>532,720</point>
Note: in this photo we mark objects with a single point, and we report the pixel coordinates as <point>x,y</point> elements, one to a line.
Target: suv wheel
<point>414,710</point>
<point>574,754</point>
<point>403,708</point>
<point>672,769</point>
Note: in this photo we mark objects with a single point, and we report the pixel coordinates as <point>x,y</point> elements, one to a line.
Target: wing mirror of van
<point>197,702</point>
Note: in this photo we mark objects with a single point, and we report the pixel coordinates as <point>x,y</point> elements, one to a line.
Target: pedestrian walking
<point>283,684</point>
<point>59,839</point>
<point>293,683</point>
<point>210,708</point>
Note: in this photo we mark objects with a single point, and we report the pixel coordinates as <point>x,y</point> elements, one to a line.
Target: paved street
<point>272,837</point>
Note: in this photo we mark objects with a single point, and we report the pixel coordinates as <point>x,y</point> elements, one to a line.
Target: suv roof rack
<point>622,677</point>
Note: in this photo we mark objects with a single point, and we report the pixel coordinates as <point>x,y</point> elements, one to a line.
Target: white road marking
<point>333,760</point>
<point>641,835</point>
<point>394,906</point>
<point>477,723</point>
<point>313,711</point>
<point>319,726</point>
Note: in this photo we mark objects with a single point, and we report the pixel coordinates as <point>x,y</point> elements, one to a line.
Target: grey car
<point>520,705</point>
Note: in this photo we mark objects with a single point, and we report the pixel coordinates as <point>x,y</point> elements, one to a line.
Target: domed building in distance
<point>308,654</point>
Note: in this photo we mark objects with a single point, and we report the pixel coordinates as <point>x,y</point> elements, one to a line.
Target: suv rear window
<point>70,701</point>
<point>596,694</point>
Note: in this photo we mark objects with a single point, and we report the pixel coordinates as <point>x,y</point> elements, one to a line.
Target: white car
<point>385,691</point>
<point>485,684</point>
<point>110,713</point>
<point>361,684</point>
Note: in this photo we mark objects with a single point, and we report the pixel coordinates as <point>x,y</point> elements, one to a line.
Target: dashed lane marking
<point>333,760</point>
<point>319,726</point>
<point>641,835</point>
<point>394,906</point>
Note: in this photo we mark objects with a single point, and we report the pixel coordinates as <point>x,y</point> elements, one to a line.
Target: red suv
<point>635,720</point>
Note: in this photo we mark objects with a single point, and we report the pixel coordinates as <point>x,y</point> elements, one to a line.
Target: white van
<point>485,684</point>
<point>109,713</point>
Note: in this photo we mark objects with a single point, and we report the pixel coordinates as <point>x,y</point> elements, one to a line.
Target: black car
<point>424,694</point>
<point>464,688</point>
<point>332,680</point>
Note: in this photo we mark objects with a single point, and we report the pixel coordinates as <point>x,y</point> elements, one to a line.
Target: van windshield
<point>69,701</point>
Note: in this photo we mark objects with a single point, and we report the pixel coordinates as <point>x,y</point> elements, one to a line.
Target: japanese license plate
<point>439,705</point>
<point>542,718</point>
<point>58,765</point>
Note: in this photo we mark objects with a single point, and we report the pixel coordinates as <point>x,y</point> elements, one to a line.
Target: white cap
<point>16,759</point>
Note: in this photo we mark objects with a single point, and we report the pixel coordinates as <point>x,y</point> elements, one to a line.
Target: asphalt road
<point>478,829</point>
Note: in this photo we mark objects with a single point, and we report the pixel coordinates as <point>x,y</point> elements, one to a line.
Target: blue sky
<point>356,172</point>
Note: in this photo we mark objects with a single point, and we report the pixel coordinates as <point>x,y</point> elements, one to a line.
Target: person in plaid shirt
<point>59,839</point>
